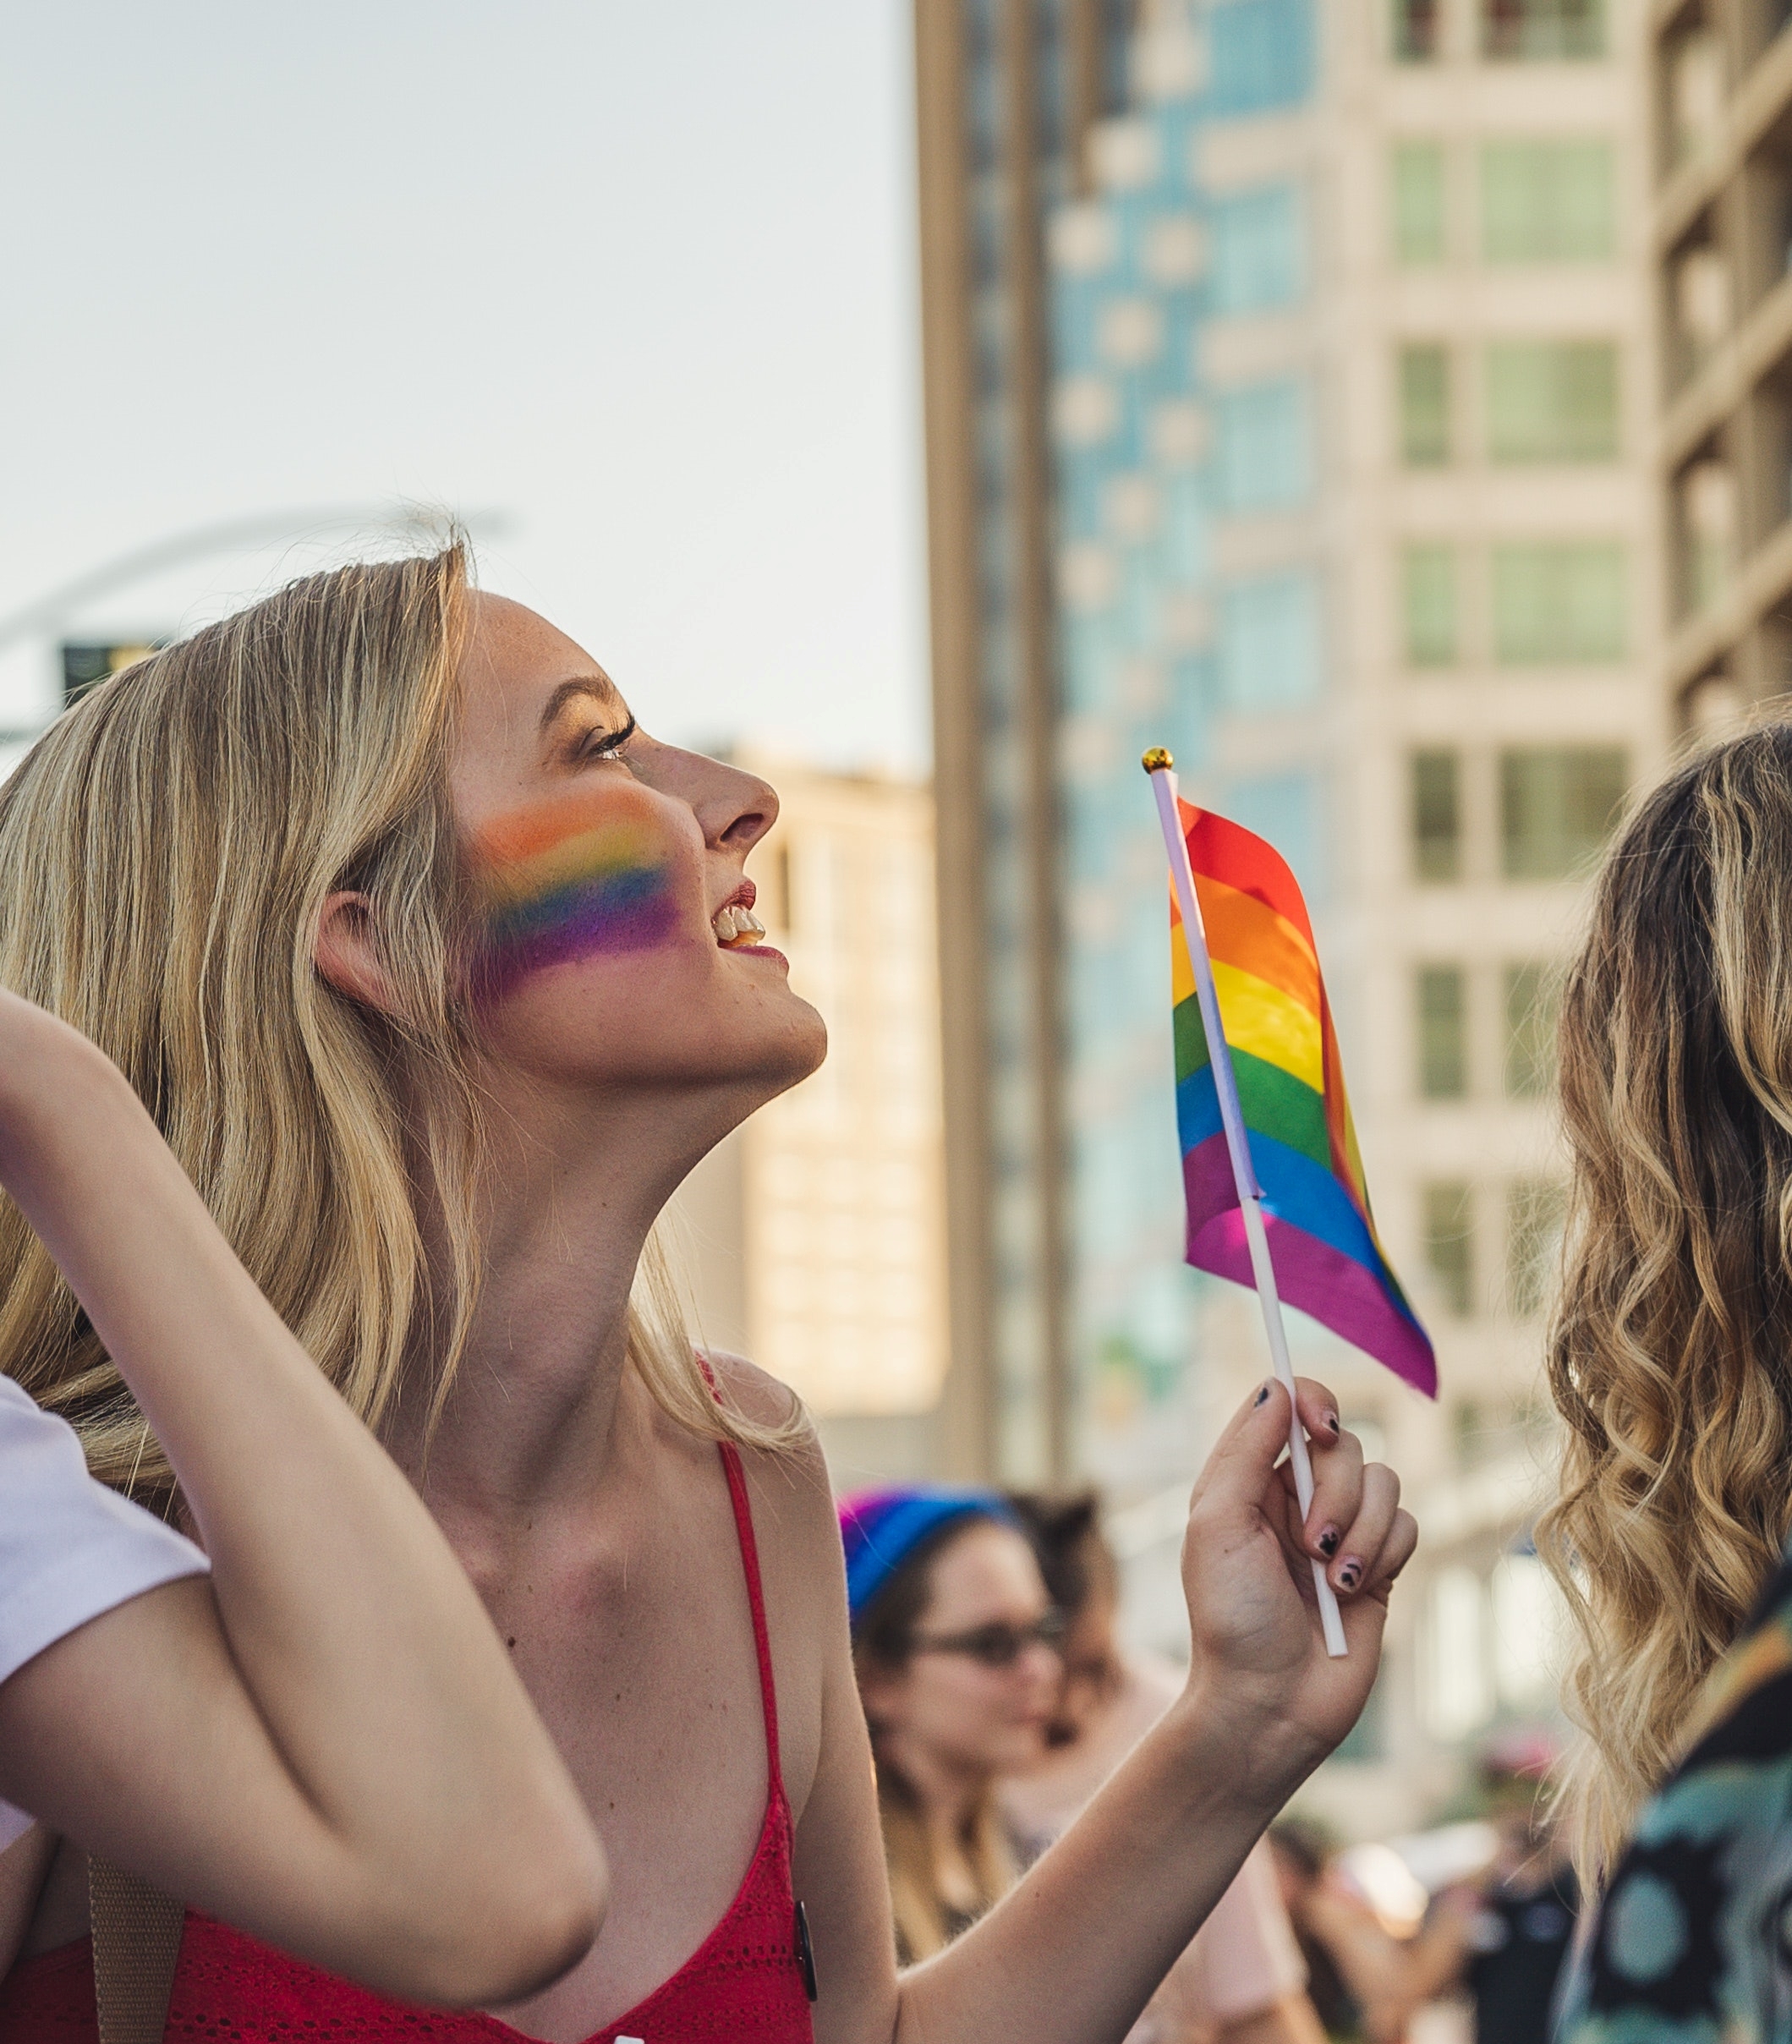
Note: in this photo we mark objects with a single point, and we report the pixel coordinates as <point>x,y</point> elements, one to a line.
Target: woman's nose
<point>734,808</point>
<point>1042,1663</point>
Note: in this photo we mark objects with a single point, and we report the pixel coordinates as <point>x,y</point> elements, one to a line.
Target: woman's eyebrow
<point>597,688</point>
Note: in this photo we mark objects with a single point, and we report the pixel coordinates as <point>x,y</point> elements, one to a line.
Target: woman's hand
<point>1259,1656</point>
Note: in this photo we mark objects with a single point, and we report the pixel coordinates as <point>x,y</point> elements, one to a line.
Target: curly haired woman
<point>1671,1362</point>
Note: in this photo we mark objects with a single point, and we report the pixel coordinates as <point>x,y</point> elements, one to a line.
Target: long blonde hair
<point>917,1906</point>
<point>1670,1349</point>
<point>166,851</point>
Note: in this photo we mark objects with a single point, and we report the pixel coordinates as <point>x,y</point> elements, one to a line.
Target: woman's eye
<point>606,744</point>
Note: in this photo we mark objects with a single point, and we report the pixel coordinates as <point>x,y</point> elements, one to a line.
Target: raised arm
<point>1072,1955</point>
<point>325,1742</point>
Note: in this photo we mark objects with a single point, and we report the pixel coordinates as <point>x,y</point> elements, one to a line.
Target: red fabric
<point>744,1983</point>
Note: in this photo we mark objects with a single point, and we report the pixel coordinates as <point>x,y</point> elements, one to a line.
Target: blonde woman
<point>439,973</point>
<point>1671,1362</point>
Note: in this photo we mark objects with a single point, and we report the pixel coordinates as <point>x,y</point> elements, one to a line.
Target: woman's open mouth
<point>736,926</point>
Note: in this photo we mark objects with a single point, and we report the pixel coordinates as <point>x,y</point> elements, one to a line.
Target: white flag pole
<point>1161,769</point>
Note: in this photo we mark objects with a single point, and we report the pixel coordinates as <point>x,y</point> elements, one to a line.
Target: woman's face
<point>608,869</point>
<point>949,1710</point>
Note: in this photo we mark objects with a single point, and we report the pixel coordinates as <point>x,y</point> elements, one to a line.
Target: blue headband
<point>880,1529</point>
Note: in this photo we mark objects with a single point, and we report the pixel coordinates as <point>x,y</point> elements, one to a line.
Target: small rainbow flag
<point>1278,1025</point>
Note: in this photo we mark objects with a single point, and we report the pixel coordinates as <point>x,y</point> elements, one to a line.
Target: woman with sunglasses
<point>955,1641</point>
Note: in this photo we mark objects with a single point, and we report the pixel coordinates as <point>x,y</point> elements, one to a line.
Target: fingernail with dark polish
<point>1333,1423</point>
<point>1328,1541</point>
<point>1350,1574</point>
<point>1263,1394</point>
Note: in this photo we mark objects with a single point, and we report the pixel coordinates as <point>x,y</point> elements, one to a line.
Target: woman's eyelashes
<point>606,744</point>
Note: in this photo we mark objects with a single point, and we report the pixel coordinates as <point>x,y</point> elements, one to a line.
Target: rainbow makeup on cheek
<point>579,875</point>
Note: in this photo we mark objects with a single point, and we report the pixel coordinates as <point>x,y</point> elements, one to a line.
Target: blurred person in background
<point>1365,1982</point>
<point>1242,1979</point>
<point>955,1641</point>
<point>1517,1925</point>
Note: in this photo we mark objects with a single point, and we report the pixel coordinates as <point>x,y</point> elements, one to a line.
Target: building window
<point>1443,1032</point>
<point>1424,404</point>
<point>1436,816</point>
<point>1271,636</point>
<point>1552,401</point>
<point>1557,806</point>
<point>1530,1031</point>
<point>1710,521</point>
<point>1265,446</point>
<point>1259,250</point>
<point>1694,68</point>
<point>1450,1245</point>
<point>1417,32</point>
<point>1535,1208</point>
<point>1539,30</point>
<point>1559,601</point>
<point>1262,54</point>
<point>1547,201</point>
<point>1421,209</point>
<point>1429,604</point>
<point>1456,1693</point>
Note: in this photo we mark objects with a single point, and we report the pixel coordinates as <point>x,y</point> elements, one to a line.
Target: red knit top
<point>745,1982</point>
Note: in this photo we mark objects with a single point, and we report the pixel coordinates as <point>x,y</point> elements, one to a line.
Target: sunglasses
<point>996,1645</point>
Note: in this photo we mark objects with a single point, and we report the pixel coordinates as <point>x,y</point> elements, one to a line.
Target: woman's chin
<point>1022,1748</point>
<point>799,1047</point>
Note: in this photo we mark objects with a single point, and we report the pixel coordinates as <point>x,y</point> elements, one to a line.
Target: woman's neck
<point>567,1198</point>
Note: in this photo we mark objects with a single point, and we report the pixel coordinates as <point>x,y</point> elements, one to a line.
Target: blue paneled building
<point>1161,641</point>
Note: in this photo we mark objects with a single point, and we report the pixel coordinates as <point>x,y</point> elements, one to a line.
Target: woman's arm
<point>325,1742</point>
<point>1073,1954</point>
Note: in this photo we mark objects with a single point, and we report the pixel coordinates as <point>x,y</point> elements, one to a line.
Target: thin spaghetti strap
<point>731,1461</point>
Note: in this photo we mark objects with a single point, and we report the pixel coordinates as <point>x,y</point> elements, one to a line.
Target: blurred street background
<point>1385,403</point>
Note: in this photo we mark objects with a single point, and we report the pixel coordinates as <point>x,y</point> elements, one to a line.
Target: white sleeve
<point>69,1548</point>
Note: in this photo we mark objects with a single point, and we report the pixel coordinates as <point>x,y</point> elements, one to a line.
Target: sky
<point>632,286</point>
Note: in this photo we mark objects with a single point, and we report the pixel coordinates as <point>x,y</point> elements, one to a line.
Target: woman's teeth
<point>736,926</point>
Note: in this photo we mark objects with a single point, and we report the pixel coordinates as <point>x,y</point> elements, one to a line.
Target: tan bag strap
<point>136,1941</point>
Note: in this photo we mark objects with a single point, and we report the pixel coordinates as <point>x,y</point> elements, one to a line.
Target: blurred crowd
<point>1000,1698</point>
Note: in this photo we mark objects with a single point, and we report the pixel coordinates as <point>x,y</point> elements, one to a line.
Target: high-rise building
<point>1351,404</point>
<point>1007,92</point>
<point>1721,182</point>
<point>813,1239</point>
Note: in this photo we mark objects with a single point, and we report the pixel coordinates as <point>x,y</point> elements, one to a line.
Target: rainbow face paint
<point>576,876</point>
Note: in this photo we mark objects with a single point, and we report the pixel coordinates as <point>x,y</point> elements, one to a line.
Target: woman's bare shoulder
<point>792,1478</point>
<point>755,1394</point>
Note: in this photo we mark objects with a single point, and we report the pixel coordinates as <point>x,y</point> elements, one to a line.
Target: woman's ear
<point>346,955</point>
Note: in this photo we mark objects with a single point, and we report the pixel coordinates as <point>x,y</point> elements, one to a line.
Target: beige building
<point>1490,333</point>
<point>813,1239</point>
<point>1720,183</point>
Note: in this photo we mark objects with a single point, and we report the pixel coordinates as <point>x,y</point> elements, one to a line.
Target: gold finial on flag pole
<point>1157,760</point>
